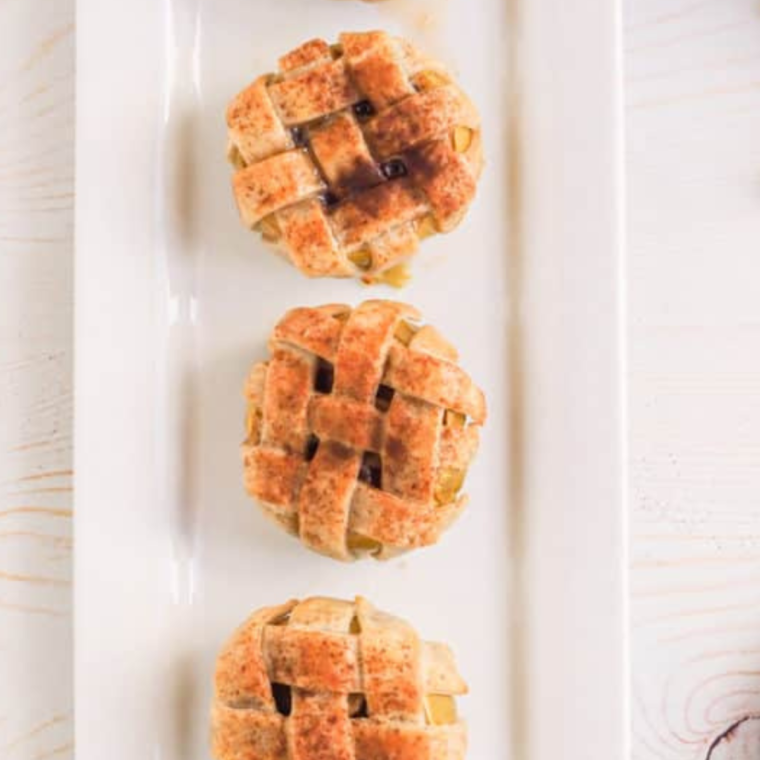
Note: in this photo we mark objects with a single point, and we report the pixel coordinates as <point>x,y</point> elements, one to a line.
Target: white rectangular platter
<point>174,302</point>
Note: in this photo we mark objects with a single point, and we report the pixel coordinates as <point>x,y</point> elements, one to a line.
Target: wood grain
<point>693,123</point>
<point>741,741</point>
<point>36,202</point>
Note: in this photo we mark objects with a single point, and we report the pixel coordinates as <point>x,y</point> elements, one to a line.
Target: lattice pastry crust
<point>352,153</point>
<point>325,679</point>
<point>361,428</point>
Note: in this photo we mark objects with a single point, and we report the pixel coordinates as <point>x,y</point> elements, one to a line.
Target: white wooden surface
<point>693,108</point>
<point>36,201</point>
<point>693,120</point>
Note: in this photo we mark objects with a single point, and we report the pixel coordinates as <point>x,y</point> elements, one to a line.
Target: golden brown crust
<point>328,657</point>
<point>422,117</point>
<point>316,91</point>
<point>269,185</point>
<point>436,381</point>
<point>255,129</point>
<point>364,218</point>
<point>309,52</point>
<point>246,734</point>
<point>240,670</point>
<point>342,155</point>
<point>380,741</point>
<point>310,240</point>
<point>375,121</point>
<point>448,180</point>
<point>358,426</point>
<point>398,524</point>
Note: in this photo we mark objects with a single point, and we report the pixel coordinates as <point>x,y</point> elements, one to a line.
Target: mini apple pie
<point>361,427</point>
<point>335,680</point>
<point>351,153</point>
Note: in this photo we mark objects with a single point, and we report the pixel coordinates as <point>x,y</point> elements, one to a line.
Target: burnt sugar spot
<point>359,176</point>
<point>373,203</point>
<point>422,163</point>
<point>414,130</point>
<point>395,448</point>
<point>339,451</point>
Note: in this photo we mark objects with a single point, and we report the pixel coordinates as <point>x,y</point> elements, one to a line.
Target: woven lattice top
<point>330,680</point>
<point>361,428</point>
<point>352,153</point>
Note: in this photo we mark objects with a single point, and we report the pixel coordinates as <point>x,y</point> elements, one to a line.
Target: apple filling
<point>461,139</point>
<point>270,229</point>
<point>429,80</point>
<point>440,709</point>
<point>396,276</point>
<point>405,332</point>
<point>358,543</point>
<point>450,480</point>
<point>361,258</point>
